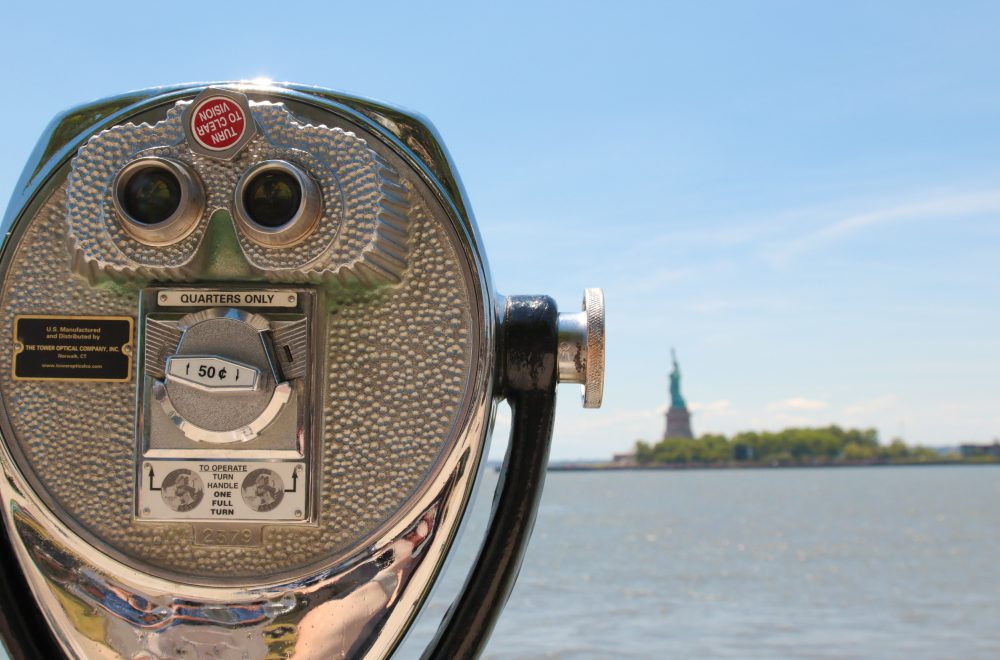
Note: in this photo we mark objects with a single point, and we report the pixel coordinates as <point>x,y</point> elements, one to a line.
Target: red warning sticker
<point>218,123</point>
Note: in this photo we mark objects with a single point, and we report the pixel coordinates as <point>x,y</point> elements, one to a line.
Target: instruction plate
<point>222,491</point>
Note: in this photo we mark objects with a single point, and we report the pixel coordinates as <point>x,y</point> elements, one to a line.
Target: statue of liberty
<point>676,400</point>
<point>678,417</point>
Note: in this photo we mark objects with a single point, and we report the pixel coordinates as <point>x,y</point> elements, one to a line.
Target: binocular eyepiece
<point>254,353</point>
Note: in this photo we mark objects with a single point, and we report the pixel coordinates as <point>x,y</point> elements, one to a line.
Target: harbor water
<point>879,562</point>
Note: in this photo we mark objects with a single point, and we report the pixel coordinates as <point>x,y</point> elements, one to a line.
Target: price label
<point>213,373</point>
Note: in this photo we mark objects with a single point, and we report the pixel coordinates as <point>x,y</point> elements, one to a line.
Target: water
<point>896,562</point>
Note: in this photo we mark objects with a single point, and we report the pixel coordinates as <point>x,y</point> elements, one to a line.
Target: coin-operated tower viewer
<point>252,358</point>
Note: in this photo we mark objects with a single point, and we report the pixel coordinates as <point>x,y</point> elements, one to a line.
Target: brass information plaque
<point>73,348</point>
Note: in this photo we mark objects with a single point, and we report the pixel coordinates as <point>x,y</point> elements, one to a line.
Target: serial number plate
<point>206,534</point>
<point>212,373</point>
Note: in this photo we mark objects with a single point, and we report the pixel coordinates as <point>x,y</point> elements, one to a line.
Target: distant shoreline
<point>610,467</point>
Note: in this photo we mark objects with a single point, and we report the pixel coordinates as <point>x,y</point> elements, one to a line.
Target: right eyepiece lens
<point>151,195</point>
<point>272,198</point>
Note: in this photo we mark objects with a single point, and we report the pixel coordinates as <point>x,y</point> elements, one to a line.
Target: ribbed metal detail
<point>291,343</point>
<point>593,386</point>
<point>160,340</point>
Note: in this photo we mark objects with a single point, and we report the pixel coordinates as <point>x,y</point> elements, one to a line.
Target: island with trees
<point>830,445</point>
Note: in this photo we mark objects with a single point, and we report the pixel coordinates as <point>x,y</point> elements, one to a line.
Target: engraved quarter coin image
<point>182,490</point>
<point>263,490</point>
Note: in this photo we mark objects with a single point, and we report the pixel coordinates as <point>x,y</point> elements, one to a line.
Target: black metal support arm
<point>529,373</point>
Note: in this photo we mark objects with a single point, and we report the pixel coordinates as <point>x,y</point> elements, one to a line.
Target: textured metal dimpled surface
<point>361,237</point>
<point>398,369</point>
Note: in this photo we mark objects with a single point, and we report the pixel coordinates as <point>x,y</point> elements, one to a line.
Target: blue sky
<point>802,198</point>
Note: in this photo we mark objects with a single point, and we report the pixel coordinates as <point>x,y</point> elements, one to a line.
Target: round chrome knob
<point>219,384</point>
<point>581,348</point>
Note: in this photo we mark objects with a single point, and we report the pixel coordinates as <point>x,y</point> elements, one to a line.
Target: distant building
<point>625,460</point>
<point>678,417</point>
<point>971,451</point>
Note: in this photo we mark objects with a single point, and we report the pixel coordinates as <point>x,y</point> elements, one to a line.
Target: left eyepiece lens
<point>151,195</point>
<point>159,200</point>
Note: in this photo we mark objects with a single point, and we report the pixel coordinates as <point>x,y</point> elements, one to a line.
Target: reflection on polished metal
<point>296,228</point>
<point>374,339</point>
<point>581,348</point>
<point>181,222</point>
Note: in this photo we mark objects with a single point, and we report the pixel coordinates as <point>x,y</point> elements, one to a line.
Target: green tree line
<point>795,445</point>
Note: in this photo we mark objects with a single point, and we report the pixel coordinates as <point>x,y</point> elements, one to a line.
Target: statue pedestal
<point>679,423</point>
